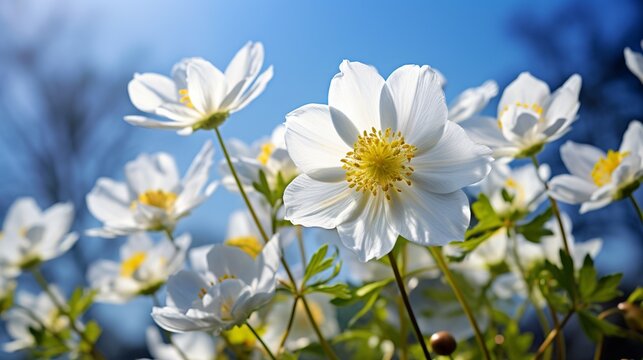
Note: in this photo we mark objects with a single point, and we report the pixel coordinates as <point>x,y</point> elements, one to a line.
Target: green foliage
<point>535,229</point>
<point>594,327</point>
<point>319,263</point>
<point>80,301</point>
<point>368,294</point>
<point>90,336</point>
<point>272,195</point>
<point>488,223</point>
<point>636,296</point>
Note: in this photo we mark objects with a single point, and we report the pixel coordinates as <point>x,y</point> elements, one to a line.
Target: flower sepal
<point>212,122</point>
<point>627,190</point>
<point>530,151</point>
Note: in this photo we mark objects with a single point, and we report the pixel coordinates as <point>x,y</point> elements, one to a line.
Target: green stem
<point>407,304</point>
<point>404,353</point>
<point>552,335</point>
<point>327,349</point>
<point>601,338</point>
<point>291,319</point>
<point>637,207</point>
<point>40,279</point>
<point>270,354</point>
<point>300,241</point>
<point>439,259</point>
<point>168,334</point>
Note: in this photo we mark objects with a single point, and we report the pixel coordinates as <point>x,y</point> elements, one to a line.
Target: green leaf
<point>506,196</point>
<point>595,327</point>
<point>488,223</point>
<point>337,290</point>
<point>482,209</point>
<point>636,295</point>
<point>535,229</point>
<point>80,301</point>
<point>587,278</point>
<point>606,289</point>
<point>372,298</point>
<point>319,263</point>
<point>90,335</point>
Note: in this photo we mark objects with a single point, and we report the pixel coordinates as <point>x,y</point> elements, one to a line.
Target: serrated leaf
<point>595,327</point>
<point>587,278</point>
<point>535,229</point>
<point>606,288</point>
<point>339,290</point>
<point>372,298</point>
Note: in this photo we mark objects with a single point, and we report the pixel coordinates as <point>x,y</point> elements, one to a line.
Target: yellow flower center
<point>266,151</point>
<point>185,98</point>
<point>536,108</point>
<point>512,184</point>
<point>226,308</point>
<point>133,263</point>
<point>157,198</point>
<point>226,277</point>
<point>379,161</point>
<point>202,292</point>
<point>249,244</point>
<point>605,166</point>
<point>241,335</point>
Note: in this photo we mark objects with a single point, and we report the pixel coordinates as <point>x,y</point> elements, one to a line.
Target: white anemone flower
<point>381,160</point>
<point>194,345</point>
<point>634,62</point>
<point>234,286</point>
<point>199,96</point>
<point>522,184</point>
<point>153,198</point>
<point>30,236</point>
<point>7,287</point>
<point>19,321</point>
<point>529,116</point>
<point>596,178</point>
<point>268,155</point>
<point>471,101</point>
<point>301,333</point>
<point>143,268</point>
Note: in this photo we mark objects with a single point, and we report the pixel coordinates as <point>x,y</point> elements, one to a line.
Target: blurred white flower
<point>471,101</point>
<point>596,179</point>
<point>30,236</point>
<point>381,160</point>
<point>268,155</point>
<point>302,333</point>
<point>234,286</point>
<point>153,198</point>
<point>529,116</point>
<point>34,312</point>
<point>522,184</point>
<point>199,96</point>
<point>194,345</point>
<point>142,269</point>
<point>634,62</point>
<point>7,287</point>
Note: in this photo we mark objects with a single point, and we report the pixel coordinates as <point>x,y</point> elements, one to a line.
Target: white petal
<point>145,122</point>
<point>149,91</point>
<point>183,289</point>
<point>355,91</point>
<point>58,220</point>
<point>310,202</point>
<point>525,89</point>
<point>633,139</point>
<point>245,64</point>
<point>22,214</point>
<point>431,219</point>
<point>257,88</point>
<point>634,62</point>
<point>172,320</point>
<point>195,178</point>
<point>109,201</point>
<point>571,189</point>
<point>484,130</point>
<point>420,104</point>
<point>180,113</point>
<point>369,233</point>
<point>206,86</point>
<point>580,158</point>
<point>471,101</point>
<point>313,144</point>
<point>564,105</point>
<point>453,163</point>
<point>225,261</point>
<point>152,172</point>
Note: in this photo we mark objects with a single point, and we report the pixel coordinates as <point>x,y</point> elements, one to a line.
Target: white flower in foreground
<point>634,62</point>
<point>381,160</point>
<point>143,268</point>
<point>30,236</point>
<point>199,96</point>
<point>153,198</point>
<point>234,286</point>
<point>19,321</point>
<point>267,155</point>
<point>301,333</point>
<point>194,345</point>
<point>529,116</point>
<point>596,178</point>
<point>522,184</point>
<point>471,101</point>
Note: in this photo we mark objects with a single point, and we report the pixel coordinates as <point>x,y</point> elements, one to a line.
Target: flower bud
<point>443,343</point>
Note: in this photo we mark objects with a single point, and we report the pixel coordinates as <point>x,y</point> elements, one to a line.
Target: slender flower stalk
<point>552,335</point>
<point>327,349</point>
<point>407,304</point>
<point>439,259</point>
<point>601,339</point>
<point>270,354</point>
<point>42,282</point>
<point>404,353</point>
<point>291,319</point>
<point>42,325</point>
<point>636,207</point>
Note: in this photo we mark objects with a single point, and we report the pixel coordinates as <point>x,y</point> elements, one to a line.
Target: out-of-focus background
<point>65,64</point>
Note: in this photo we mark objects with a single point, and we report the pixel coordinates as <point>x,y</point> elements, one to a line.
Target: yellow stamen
<point>157,198</point>
<point>266,151</point>
<point>133,263</point>
<point>512,184</point>
<point>605,166</point>
<point>249,244</point>
<point>202,292</point>
<point>226,277</point>
<point>185,98</point>
<point>379,161</point>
